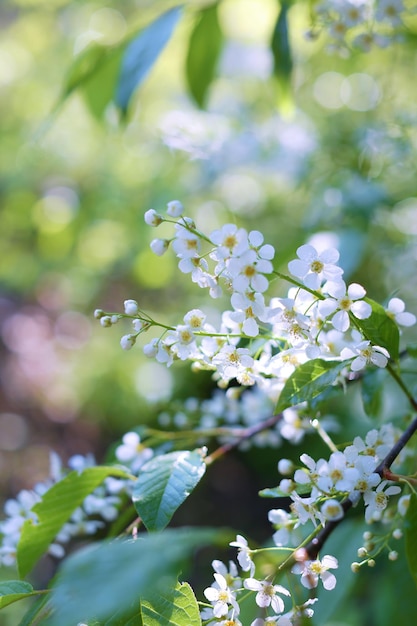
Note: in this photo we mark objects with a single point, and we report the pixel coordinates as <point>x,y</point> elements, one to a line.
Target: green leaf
<point>141,54</point>
<point>276,492</point>
<point>176,607</point>
<point>56,507</point>
<point>98,90</point>
<point>103,579</point>
<point>204,48</point>
<point>37,613</point>
<point>372,389</point>
<point>163,485</point>
<point>412,350</point>
<point>85,65</point>
<point>380,329</point>
<point>410,528</point>
<point>308,381</point>
<point>281,53</point>
<point>14,590</point>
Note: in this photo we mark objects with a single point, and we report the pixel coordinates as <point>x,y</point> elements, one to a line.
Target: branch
<point>314,546</point>
<point>245,433</point>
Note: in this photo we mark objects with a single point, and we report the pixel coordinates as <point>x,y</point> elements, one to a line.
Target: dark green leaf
<point>280,45</point>
<point>308,381</point>
<point>176,607</point>
<point>14,590</point>
<point>410,527</point>
<point>281,52</point>
<point>56,507</point>
<point>204,48</point>
<point>141,54</point>
<point>103,579</point>
<point>372,388</point>
<point>163,485</point>
<point>380,329</point>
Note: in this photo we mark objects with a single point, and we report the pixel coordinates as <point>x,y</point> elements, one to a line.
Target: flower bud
<point>152,218</point>
<point>285,467</point>
<point>131,307</point>
<point>175,208</point>
<point>128,341</point>
<point>159,246</point>
<point>397,533</point>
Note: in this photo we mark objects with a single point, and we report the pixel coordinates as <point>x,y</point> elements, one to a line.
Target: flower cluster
<point>360,24</point>
<point>230,584</point>
<point>348,474</point>
<point>319,317</point>
<point>262,343</point>
<point>98,508</point>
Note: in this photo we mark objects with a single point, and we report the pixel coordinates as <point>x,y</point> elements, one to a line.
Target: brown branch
<point>245,433</point>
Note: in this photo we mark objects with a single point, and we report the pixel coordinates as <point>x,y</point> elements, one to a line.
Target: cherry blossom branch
<point>385,465</point>
<point>383,469</point>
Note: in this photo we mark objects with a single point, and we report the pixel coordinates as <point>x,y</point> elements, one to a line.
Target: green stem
<point>297,283</point>
<point>402,385</point>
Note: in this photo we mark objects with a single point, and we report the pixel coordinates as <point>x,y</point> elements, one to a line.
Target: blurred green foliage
<point>337,159</point>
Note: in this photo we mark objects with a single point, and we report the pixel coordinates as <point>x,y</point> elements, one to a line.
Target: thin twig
<point>244,434</point>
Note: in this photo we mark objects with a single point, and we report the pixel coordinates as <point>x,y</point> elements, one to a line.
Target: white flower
<point>284,523</point>
<point>243,555</point>
<point>248,307</point>
<point>274,620</point>
<point>186,244</point>
<point>311,571</point>
<point>293,427</point>
<point>365,354</point>
<point>403,504</point>
<point>332,510</point>
<point>220,595</point>
<point>312,267</point>
<point>396,310</point>
<point>365,41</point>
<point>231,360</point>
<point>230,241</point>
<point>175,208</point>
<point>247,272</point>
<point>344,300</point>
<point>152,218</point>
<point>132,452</point>
<point>267,593</point>
<point>376,501</point>
<point>195,319</point>
<point>264,251</point>
<point>389,11</point>
<point>230,574</point>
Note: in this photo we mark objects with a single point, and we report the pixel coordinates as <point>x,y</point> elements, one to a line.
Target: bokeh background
<point>336,158</point>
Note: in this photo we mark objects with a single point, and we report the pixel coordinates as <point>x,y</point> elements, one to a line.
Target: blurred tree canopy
<point>232,110</point>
